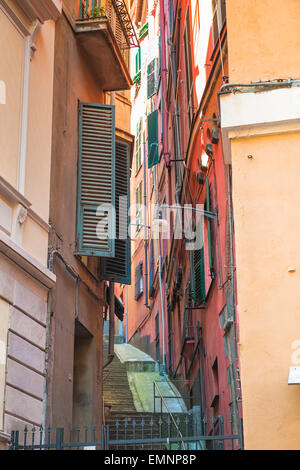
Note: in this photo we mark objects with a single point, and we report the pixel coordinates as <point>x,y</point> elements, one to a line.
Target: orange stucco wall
<point>267,224</point>
<point>263,39</point>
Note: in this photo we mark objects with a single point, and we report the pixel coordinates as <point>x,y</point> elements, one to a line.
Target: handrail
<point>169,411</point>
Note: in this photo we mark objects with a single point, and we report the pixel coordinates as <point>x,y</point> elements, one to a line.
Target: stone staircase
<point>121,415</point>
<point>124,421</point>
<point>116,390</point>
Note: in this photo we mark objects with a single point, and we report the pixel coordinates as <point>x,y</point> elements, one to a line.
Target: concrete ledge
<point>23,259</point>
<point>134,359</point>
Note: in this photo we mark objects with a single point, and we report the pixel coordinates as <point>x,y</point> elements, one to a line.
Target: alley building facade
<point>183,301</point>
<point>26,74</point>
<point>65,151</point>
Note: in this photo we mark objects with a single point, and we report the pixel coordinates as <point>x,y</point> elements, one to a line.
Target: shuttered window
<point>152,77</point>
<point>198,277</point>
<point>153,150</point>
<point>118,268</point>
<point>209,236</point>
<point>96,173</point>
<point>219,17</point>
<point>139,205</point>
<point>138,61</point>
<point>138,146</point>
<point>138,281</point>
<point>152,267</point>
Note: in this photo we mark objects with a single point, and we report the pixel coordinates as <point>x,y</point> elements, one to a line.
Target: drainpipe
<point>160,284</point>
<point>111,290</point>
<point>145,226</point>
<point>111,351</point>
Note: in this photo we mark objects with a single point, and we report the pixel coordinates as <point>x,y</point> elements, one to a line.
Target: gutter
<point>111,348</point>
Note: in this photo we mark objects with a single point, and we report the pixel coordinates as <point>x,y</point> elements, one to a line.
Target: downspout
<point>111,290</point>
<point>160,284</point>
<point>145,226</point>
<point>111,351</point>
<point>177,124</point>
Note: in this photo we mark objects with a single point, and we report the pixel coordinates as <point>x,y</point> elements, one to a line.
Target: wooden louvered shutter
<point>153,150</point>
<point>207,207</point>
<point>118,269</point>
<point>151,274</point>
<point>96,185</point>
<point>199,275</point>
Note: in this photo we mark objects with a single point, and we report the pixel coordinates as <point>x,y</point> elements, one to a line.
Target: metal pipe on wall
<point>111,349</point>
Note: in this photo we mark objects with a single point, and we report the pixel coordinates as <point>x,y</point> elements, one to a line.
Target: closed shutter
<point>153,150</point>
<point>118,269</point>
<point>138,61</point>
<point>152,77</point>
<point>96,168</point>
<point>199,274</point>
<point>151,274</point>
<point>207,207</point>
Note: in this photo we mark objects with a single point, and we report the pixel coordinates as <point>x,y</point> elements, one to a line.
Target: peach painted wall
<point>263,39</point>
<point>37,186</point>
<point>266,202</point>
<point>11,73</point>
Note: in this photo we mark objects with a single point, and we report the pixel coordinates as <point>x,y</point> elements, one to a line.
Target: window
<point>139,287</point>
<point>157,345</point>
<point>96,180</point>
<point>153,150</point>
<point>138,146</point>
<point>138,66</point>
<point>139,205</point>
<point>152,78</point>
<point>138,61</point>
<point>118,268</point>
<point>198,271</point>
<point>152,267</point>
<point>219,16</point>
<point>14,67</point>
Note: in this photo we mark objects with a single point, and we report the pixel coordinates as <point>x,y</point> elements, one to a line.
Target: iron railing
<point>118,16</point>
<point>152,432</point>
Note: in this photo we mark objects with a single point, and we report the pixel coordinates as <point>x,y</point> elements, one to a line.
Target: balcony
<point>105,33</point>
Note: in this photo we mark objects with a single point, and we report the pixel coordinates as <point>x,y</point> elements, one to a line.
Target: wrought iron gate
<point>156,432</point>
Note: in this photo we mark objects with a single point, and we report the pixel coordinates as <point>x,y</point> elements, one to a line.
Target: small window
<point>152,78</point>
<point>138,61</point>
<point>219,16</point>
<point>138,147</point>
<point>139,287</point>
<point>139,205</point>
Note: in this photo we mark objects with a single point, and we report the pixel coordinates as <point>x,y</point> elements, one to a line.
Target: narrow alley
<point>149,180</point>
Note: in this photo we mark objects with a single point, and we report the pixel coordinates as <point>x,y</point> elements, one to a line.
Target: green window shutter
<point>151,273</point>
<point>153,150</point>
<point>138,61</point>
<point>152,77</point>
<point>207,207</point>
<point>96,179</point>
<point>138,145</point>
<point>198,274</point>
<point>118,269</point>
<point>199,277</point>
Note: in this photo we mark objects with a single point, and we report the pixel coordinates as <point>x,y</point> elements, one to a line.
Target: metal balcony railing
<point>116,12</point>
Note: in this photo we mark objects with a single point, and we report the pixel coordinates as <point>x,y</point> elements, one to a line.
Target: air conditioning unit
<point>294,375</point>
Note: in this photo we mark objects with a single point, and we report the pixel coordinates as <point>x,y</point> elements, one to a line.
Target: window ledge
<point>25,261</point>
